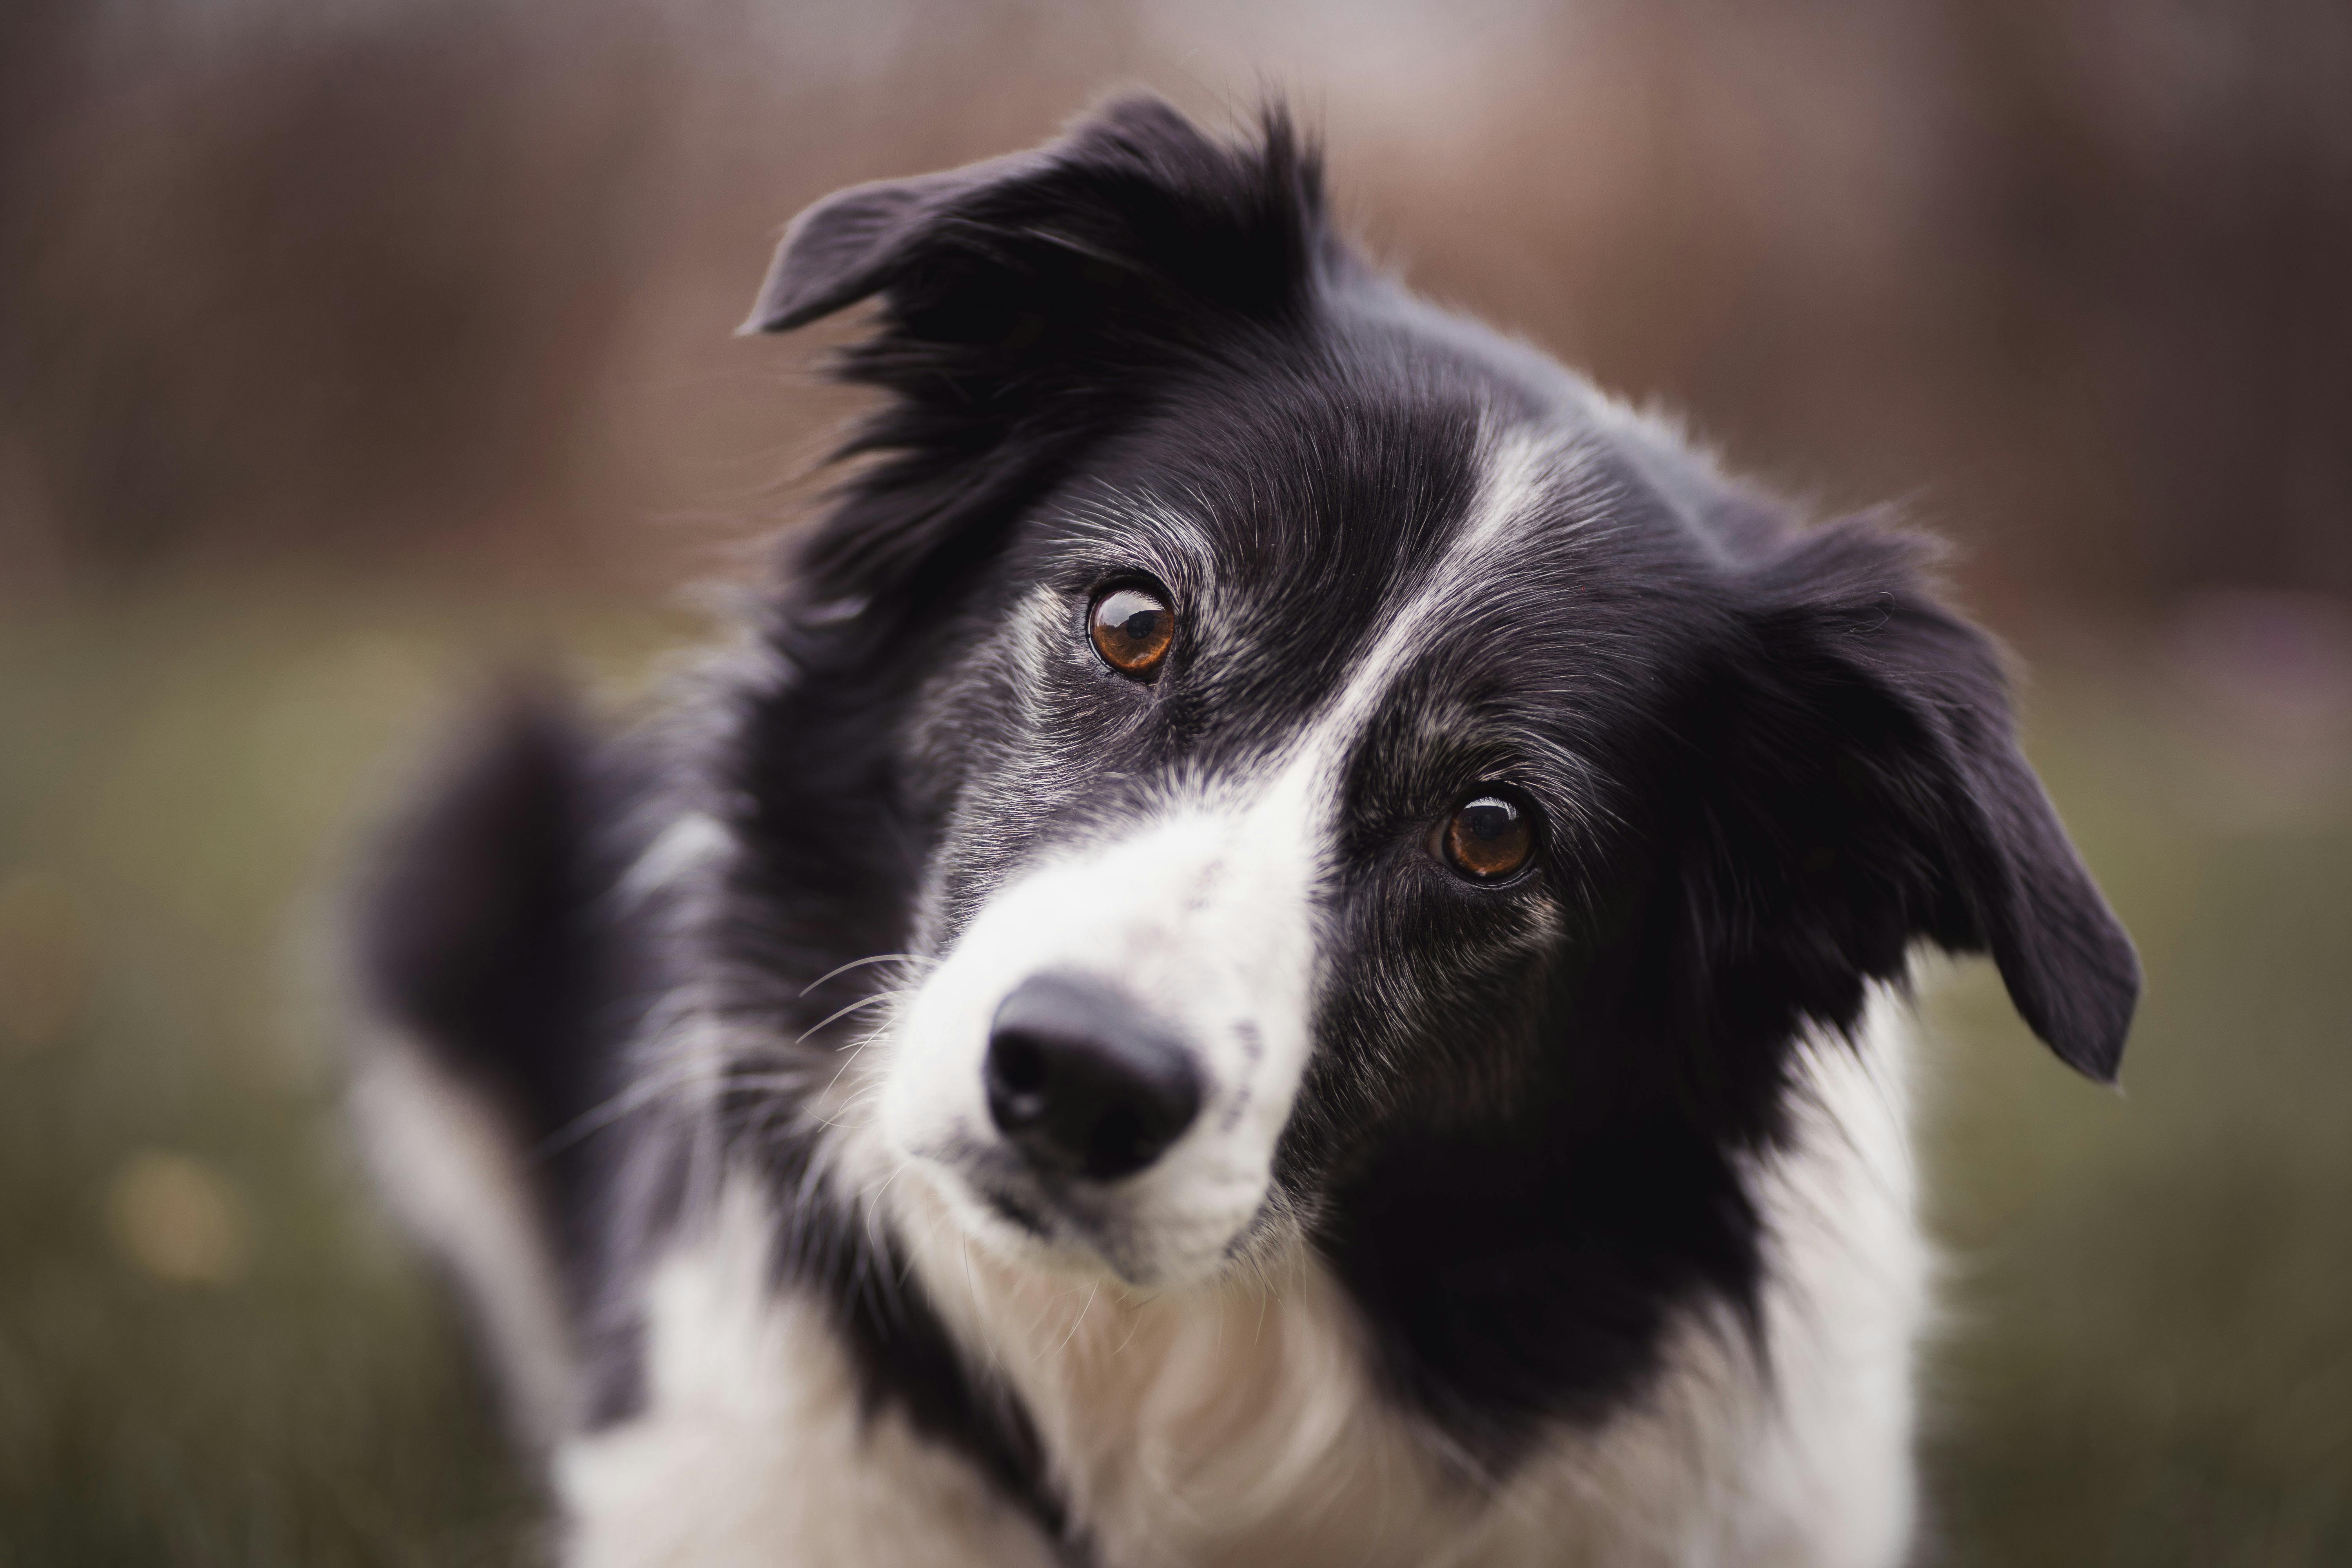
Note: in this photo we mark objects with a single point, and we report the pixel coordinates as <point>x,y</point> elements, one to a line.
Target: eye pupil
<point>1131,629</point>
<point>1489,837</point>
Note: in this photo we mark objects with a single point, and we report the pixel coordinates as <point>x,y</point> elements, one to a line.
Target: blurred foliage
<point>2148,1354</point>
<point>387,277</point>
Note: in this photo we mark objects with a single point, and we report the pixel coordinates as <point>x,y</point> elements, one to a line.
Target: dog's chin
<point>1022,1225</point>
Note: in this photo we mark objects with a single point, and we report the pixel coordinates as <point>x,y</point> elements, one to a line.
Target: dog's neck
<point>1195,1423</point>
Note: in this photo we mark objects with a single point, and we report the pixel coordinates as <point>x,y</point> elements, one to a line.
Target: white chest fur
<point>1239,1426</point>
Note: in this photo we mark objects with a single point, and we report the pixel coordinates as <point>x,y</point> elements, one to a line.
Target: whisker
<point>1079,1321</point>
<point>840,1013</point>
<point>854,1053</point>
<point>861,962</point>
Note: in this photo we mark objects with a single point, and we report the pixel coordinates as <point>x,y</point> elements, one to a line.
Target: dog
<point>1286,940</point>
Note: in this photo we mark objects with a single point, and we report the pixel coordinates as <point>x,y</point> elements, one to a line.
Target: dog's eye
<point>1488,837</point>
<point>1131,628</point>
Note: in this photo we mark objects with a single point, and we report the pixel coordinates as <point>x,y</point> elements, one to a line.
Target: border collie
<point>1284,943</point>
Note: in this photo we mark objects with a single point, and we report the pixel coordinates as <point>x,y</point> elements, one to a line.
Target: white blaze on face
<point>1203,919</point>
<point>1203,916</point>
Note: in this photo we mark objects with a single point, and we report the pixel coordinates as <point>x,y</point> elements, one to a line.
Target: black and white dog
<point>1285,945</point>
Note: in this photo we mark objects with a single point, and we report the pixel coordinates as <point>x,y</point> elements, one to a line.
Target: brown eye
<point>1132,628</point>
<point>1489,836</point>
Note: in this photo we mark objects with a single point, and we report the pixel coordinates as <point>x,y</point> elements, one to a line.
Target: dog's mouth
<point>1150,1231</point>
<point>1020,1213</point>
<point>1055,1226</point>
<point>1088,1138</point>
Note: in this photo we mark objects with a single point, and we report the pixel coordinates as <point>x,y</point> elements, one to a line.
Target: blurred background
<point>352,352</point>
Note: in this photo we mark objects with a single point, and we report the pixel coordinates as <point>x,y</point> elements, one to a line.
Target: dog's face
<point>1274,706</point>
<point>1336,743</point>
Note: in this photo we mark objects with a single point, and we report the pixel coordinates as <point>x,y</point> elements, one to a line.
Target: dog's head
<point>1330,751</point>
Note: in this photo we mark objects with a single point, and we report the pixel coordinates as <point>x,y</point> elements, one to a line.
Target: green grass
<point>2150,1360</point>
<point>2147,1360</point>
<point>181,779</point>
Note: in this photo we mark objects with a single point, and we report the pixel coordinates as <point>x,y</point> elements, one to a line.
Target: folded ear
<point>848,246</point>
<point>1135,197</point>
<point>1028,304</point>
<point>1872,793</point>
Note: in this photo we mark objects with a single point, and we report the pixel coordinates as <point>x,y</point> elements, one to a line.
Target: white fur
<point>692,841</point>
<point>1202,919</point>
<point>752,1450</point>
<point>449,1166</point>
<point>1234,1423</point>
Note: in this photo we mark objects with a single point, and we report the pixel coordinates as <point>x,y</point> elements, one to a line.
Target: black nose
<point>1080,1080</point>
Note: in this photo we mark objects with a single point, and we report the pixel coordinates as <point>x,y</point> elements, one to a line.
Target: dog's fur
<point>1566,1220</point>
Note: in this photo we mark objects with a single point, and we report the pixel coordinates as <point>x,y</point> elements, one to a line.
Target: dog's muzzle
<point>1084,1082</point>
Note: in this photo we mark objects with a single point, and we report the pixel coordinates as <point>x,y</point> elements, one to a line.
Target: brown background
<point>407,280</point>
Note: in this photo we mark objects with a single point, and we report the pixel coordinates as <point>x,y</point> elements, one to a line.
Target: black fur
<point>1766,763</point>
<point>481,933</point>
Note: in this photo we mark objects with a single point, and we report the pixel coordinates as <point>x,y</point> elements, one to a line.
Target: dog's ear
<point>1028,304</point>
<point>852,243</point>
<point>1870,792</point>
<point>1135,205</point>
